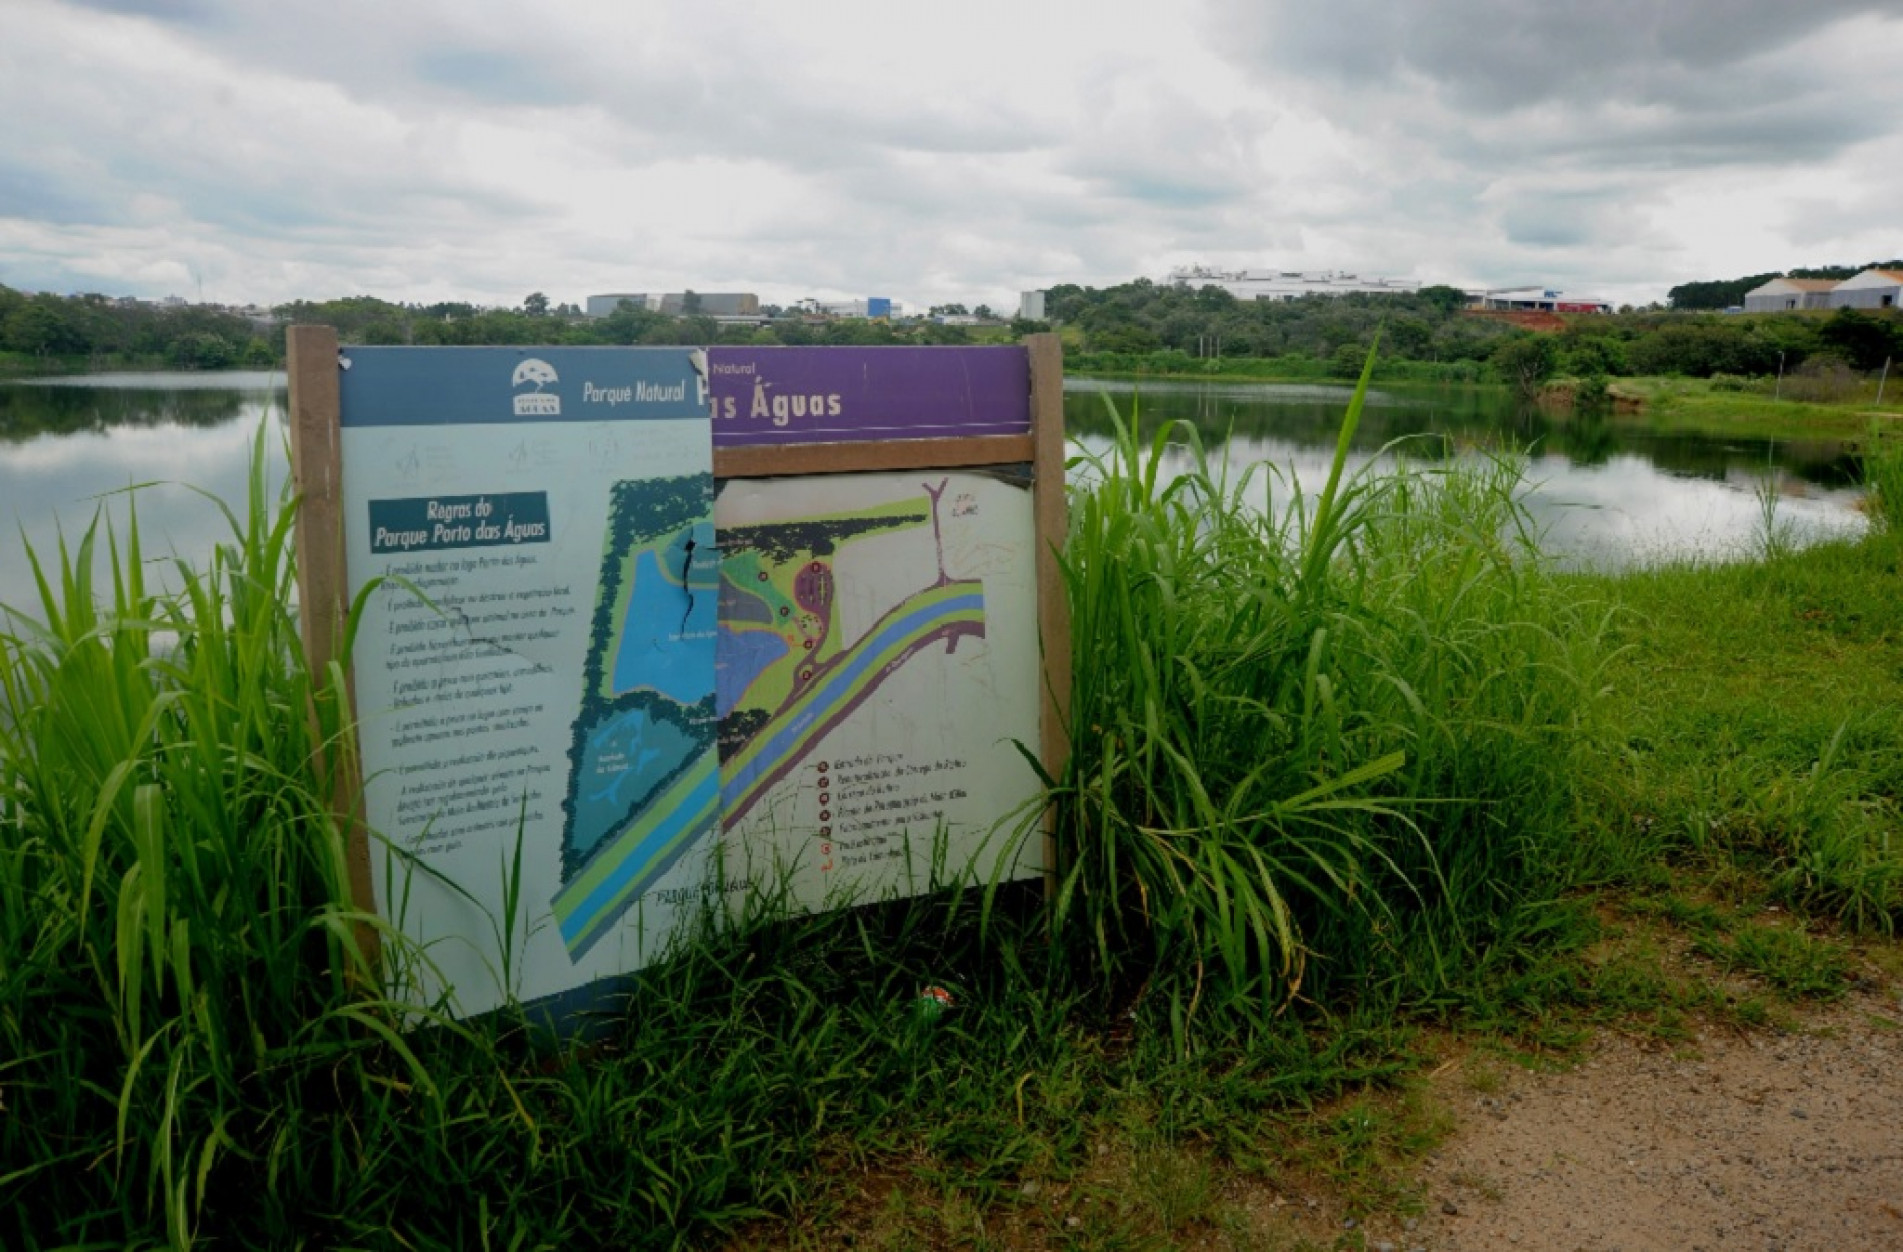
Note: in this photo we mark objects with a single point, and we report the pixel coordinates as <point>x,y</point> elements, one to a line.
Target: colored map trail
<point>642,786</point>
<point>787,675</point>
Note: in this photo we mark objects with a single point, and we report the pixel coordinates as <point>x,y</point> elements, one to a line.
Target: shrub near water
<point>1324,743</point>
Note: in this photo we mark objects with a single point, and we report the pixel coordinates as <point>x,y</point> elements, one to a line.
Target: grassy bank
<point>1757,409</point>
<point>1762,742</point>
<point>1346,776</point>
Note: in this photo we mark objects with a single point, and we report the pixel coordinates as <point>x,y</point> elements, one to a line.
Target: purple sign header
<point>764,396</point>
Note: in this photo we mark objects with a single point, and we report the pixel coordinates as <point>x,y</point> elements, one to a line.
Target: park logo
<point>537,403</point>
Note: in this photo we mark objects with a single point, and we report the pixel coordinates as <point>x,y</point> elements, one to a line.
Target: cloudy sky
<point>425,150</point>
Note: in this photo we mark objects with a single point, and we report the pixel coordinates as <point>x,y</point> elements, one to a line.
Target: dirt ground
<point>1760,1140</point>
<point>1784,1135</point>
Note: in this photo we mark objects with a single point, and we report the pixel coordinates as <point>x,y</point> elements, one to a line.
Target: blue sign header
<point>479,386</point>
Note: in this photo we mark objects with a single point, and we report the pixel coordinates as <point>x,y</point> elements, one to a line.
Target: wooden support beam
<point>323,587</point>
<point>1053,603</point>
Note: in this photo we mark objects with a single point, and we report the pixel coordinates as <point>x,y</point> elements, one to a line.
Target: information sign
<point>589,687</point>
<point>878,666</point>
<point>782,396</point>
<point>538,665</point>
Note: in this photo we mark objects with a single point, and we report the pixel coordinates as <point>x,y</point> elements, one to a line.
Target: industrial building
<point>1288,284</point>
<point>716,304</point>
<point>870,306</point>
<point>1781,294</point>
<point>1535,300</point>
<point>1872,289</point>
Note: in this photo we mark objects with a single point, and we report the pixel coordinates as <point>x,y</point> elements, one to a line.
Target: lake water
<point>1606,492</point>
<point>70,447</point>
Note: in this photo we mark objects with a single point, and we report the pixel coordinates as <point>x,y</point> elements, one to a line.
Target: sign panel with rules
<point>879,628</point>
<point>653,623</point>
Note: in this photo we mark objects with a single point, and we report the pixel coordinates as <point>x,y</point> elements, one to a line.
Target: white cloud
<point>481,149</point>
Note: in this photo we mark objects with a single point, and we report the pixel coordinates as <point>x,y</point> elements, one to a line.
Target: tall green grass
<point>1319,745</point>
<point>176,943</point>
<point>1882,466</point>
<point>1321,753</point>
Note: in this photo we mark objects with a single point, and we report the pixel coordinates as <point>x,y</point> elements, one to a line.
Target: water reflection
<point>71,448</point>
<point>1605,491</point>
<point>101,402</point>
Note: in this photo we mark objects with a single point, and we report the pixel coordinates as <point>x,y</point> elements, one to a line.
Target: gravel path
<point>1760,1141</point>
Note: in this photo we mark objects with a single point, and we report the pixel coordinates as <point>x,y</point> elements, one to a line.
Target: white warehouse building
<point>1874,288</point>
<point>1288,284</point>
<point>1782,294</point>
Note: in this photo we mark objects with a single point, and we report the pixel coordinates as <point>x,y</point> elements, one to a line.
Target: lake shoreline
<point>1683,405</point>
<point>1607,487</point>
<point>1680,405</point>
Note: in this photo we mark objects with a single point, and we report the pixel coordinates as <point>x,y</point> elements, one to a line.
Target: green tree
<point>1584,356</point>
<point>937,333</point>
<point>1407,336</point>
<point>43,326</point>
<point>1863,339</point>
<point>535,304</point>
<point>1124,339</point>
<point>201,350</point>
<point>1527,360</point>
<point>1213,299</point>
<point>1347,360</point>
<point>627,324</point>
<point>1718,294</point>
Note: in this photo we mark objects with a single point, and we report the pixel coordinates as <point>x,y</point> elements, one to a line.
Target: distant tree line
<point>1138,326</point>
<point>42,331</point>
<point>368,320</point>
<point>1705,344</point>
<point>1836,346</point>
<point>1208,322</point>
<point>1729,293</point>
<point>97,329</point>
<point>1163,329</point>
